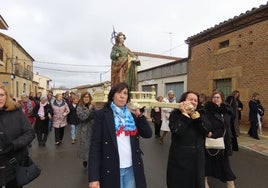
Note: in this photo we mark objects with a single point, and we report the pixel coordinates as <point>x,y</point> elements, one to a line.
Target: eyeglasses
<point>216,97</point>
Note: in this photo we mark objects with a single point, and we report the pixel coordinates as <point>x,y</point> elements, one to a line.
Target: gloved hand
<point>8,149</point>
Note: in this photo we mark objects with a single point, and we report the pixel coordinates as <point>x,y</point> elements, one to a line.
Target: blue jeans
<point>49,125</point>
<point>73,131</point>
<point>127,179</point>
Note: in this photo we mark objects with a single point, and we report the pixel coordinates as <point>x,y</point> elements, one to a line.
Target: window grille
<point>225,85</point>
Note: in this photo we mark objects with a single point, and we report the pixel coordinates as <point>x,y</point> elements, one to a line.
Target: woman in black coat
<point>186,161</point>
<point>156,118</point>
<point>219,116</point>
<point>43,113</point>
<point>16,133</point>
<point>255,110</point>
<point>232,100</point>
<point>115,148</point>
<point>72,118</point>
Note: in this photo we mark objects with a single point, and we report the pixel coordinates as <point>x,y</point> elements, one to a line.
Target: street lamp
<point>12,76</point>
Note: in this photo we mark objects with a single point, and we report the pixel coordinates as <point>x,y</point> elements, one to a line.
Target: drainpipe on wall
<point>12,71</point>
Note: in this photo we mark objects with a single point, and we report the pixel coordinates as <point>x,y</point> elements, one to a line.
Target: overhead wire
<point>74,71</point>
<point>173,48</point>
<point>54,63</point>
<point>147,59</point>
<point>82,65</point>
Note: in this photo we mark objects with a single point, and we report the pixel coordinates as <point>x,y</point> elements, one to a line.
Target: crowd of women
<point>109,137</point>
<point>21,120</point>
<point>197,117</point>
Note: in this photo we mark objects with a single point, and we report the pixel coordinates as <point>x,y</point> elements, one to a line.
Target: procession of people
<point>107,138</point>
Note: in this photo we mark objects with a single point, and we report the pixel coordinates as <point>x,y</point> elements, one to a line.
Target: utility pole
<point>100,77</point>
<point>170,42</point>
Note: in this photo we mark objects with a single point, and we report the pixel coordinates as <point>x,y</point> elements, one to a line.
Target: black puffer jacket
<point>16,133</point>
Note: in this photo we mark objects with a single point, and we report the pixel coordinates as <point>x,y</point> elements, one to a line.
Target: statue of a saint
<point>124,64</point>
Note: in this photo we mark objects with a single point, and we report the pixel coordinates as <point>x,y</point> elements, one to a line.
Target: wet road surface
<point>62,169</point>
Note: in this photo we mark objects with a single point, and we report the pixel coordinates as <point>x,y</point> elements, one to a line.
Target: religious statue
<point>124,63</point>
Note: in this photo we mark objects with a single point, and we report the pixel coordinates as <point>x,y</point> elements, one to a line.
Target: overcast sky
<point>59,34</point>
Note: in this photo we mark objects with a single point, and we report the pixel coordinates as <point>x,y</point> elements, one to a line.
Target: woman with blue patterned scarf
<point>115,155</point>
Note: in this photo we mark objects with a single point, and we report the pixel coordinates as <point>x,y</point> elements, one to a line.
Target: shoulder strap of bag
<point>214,154</point>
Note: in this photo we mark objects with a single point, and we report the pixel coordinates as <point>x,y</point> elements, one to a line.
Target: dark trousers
<point>59,133</point>
<point>157,129</point>
<point>41,137</point>
<point>12,184</point>
<point>253,130</point>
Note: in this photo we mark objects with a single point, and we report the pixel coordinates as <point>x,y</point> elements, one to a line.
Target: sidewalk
<point>260,146</point>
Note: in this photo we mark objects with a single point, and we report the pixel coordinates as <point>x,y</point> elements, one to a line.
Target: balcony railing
<point>22,72</point>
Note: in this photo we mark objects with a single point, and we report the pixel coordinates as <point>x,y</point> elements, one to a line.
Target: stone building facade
<point>16,70</point>
<point>43,83</point>
<point>232,55</point>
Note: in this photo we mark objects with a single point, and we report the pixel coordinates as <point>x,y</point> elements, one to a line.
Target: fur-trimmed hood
<point>222,109</point>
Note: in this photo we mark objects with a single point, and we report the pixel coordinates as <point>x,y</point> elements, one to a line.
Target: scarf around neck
<point>171,100</point>
<point>124,121</point>
<point>27,107</point>
<point>41,111</point>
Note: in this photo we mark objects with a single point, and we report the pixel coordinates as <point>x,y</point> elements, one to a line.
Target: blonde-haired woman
<point>60,112</point>
<point>16,133</point>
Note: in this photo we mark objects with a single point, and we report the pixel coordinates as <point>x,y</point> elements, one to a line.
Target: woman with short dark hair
<point>186,160</point>
<point>115,154</point>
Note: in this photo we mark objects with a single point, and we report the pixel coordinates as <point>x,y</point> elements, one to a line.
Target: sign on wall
<point>5,83</point>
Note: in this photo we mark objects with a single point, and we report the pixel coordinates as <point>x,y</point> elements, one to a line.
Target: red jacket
<point>27,111</point>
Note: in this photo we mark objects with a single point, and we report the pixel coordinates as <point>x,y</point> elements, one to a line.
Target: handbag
<point>26,172</point>
<point>216,144</point>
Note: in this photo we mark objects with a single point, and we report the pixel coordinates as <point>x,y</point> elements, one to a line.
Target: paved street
<point>61,168</point>
<point>59,164</point>
<point>250,167</point>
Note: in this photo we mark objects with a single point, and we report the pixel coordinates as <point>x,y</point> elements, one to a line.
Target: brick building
<point>232,55</point>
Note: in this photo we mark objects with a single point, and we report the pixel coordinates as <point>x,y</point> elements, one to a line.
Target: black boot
<point>44,140</point>
<point>84,164</point>
<point>39,137</point>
